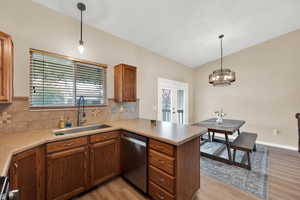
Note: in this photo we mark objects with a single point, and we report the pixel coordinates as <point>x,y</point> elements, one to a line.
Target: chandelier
<point>222,77</point>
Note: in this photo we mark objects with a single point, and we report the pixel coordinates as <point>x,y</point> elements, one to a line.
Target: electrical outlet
<point>121,109</point>
<point>275,131</point>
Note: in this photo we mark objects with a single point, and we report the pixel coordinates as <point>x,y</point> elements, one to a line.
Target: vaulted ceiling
<point>187,30</point>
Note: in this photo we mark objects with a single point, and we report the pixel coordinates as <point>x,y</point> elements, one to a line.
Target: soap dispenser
<point>68,123</point>
<point>61,123</point>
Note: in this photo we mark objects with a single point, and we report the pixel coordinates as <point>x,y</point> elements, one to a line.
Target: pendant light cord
<point>221,37</point>
<point>81,25</point>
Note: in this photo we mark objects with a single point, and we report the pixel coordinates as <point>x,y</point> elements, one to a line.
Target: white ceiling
<point>187,30</point>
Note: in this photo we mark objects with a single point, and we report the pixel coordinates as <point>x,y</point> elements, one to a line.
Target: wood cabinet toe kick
<point>63,169</point>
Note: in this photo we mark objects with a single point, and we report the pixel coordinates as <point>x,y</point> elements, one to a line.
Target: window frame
<point>83,61</point>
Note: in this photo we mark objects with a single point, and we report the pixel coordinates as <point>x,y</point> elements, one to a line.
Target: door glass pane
<point>166,105</point>
<point>180,106</point>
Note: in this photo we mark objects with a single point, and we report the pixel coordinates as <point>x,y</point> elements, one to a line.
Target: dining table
<point>227,127</point>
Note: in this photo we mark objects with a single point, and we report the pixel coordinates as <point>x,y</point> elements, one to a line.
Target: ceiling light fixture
<point>222,77</point>
<point>81,7</point>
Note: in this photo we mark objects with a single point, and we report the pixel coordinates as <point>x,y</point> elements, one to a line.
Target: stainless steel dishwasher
<point>134,159</point>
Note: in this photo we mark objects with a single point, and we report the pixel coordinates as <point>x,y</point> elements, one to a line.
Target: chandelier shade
<point>221,77</point>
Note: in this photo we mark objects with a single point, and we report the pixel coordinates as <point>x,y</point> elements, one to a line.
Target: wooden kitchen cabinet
<point>104,160</point>
<point>67,172</point>
<point>6,68</point>
<point>125,83</point>
<point>62,169</point>
<point>27,174</point>
<point>173,174</point>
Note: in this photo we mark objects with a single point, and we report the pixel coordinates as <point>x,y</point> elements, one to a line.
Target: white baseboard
<point>265,143</point>
<point>277,145</point>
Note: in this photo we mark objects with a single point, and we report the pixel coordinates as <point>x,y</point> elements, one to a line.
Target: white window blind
<point>59,82</point>
<point>90,83</point>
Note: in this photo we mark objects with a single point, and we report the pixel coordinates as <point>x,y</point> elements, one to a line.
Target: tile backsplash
<point>17,117</point>
<point>5,118</point>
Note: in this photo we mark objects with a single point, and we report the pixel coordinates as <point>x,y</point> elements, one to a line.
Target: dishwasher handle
<point>133,140</point>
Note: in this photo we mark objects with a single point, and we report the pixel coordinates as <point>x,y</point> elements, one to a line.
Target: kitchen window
<point>59,81</point>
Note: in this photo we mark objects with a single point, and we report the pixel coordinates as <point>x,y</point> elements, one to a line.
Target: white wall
<point>266,93</point>
<point>34,26</point>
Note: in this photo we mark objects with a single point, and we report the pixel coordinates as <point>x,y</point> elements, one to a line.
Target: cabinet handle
<point>159,147</point>
<point>160,196</point>
<point>69,144</point>
<point>161,180</point>
<point>16,165</point>
<point>161,161</point>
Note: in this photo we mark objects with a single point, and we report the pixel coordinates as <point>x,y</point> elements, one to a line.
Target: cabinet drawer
<point>66,144</point>
<point>159,194</point>
<point>162,179</point>
<point>162,162</point>
<point>104,136</point>
<point>162,147</point>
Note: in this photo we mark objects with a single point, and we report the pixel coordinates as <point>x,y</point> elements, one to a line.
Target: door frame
<point>168,83</point>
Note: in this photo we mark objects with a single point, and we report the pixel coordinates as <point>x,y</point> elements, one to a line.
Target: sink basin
<point>79,129</point>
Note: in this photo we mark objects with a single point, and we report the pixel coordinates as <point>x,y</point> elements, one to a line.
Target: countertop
<point>170,133</point>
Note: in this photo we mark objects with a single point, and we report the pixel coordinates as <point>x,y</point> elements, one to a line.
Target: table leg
<point>209,136</point>
<point>238,131</point>
<point>228,147</point>
<point>234,153</point>
<point>213,136</point>
<point>249,160</point>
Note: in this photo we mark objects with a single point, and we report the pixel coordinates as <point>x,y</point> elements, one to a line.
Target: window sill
<point>58,108</point>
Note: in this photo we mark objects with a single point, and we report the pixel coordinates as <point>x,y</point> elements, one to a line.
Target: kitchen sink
<point>79,129</point>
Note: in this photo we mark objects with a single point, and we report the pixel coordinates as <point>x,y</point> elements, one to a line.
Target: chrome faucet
<point>80,114</point>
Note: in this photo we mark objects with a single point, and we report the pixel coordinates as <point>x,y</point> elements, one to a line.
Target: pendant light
<point>222,77</point>
<point>81,7</point>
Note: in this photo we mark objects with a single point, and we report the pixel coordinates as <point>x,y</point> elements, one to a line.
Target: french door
<point>172,101</point>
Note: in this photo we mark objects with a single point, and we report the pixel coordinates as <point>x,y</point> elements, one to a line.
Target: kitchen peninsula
<point>173,159</point>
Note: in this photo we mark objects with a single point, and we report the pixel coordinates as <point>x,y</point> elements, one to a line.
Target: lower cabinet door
<point>67,173</point>
<point>27,174</point>
<point>105,160</point>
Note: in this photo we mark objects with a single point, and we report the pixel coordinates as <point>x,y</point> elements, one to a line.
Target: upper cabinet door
<point>125,83</point>
<point>6,68</point>
<point>129,78</point>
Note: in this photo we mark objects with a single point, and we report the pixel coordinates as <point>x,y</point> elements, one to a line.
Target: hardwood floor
<point>284,183</point>
<point>116,189</point>
<point>284,179</point>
